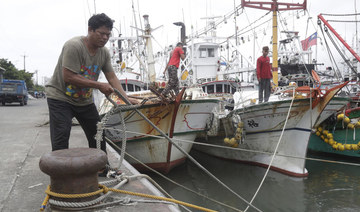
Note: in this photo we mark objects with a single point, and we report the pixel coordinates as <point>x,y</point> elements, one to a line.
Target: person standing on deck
<point>264,74</point>
<point>172,67</point>
<point>75,76</point>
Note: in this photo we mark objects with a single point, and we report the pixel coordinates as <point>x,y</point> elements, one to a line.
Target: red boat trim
<point>172,126</point>
<point>348,111</point>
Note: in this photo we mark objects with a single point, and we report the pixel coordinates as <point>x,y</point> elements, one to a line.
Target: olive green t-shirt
<point>76,57</point>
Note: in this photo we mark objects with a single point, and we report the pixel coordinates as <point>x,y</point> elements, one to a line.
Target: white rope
<point>186,153</point>
<point>272,158</point>
<point>172,181</point>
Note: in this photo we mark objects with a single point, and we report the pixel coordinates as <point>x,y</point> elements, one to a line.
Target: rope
<point>276,148</point>
<point>101,126</point>
<point>246,150</point>
<point>185,153</point>
<point>88,203</point>
<point>170,180</point>
<point>103,189</point>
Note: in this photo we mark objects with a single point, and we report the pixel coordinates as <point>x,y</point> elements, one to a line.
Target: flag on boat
<point>310,41</point>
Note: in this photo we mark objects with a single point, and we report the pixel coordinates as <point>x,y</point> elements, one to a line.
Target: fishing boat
<point>275,133</point>
<point>281,127</point>
<point>339,134</point>
<point>181,120</point>
<point>180,117</point>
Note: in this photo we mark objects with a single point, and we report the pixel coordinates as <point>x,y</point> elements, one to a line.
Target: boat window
<point>226,88</point>
<point>130,87</point>
<point>204,88</point>
<point>210,89</point>
<point>219,88</point>
<point>137,88</point>
<point>211,53</point>
<point>233,90</point>
<point>124,86</point>
<point>203,52</point>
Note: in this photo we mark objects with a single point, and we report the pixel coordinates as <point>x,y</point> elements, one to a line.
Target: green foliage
<point>38,88</point>
<point>13,73</point>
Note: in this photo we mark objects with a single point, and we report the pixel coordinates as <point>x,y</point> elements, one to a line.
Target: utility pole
<point>274,6</point>
<point>24,60</point>
<point>37,76</point>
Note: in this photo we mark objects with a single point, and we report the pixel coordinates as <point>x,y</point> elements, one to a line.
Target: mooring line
<point>185,153</point>
<point>244,150</point>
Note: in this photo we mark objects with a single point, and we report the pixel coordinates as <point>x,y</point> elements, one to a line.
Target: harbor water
<point>329,187</point>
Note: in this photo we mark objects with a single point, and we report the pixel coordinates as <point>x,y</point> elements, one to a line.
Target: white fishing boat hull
<point>262,129</point>
<point>180,123</point>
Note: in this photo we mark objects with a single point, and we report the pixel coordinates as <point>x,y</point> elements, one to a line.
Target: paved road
<point>24,138</point>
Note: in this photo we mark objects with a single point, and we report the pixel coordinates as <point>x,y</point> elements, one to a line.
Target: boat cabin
<point>204,62</point>
<point>218,87</point>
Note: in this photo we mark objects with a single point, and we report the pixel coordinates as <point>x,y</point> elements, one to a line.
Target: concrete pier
<point>24,138</point>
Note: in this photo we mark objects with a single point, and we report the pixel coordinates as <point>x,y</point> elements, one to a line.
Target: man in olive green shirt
<point>70,90</point>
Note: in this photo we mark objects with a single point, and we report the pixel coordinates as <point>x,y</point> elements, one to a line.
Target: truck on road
<point>13,91</point>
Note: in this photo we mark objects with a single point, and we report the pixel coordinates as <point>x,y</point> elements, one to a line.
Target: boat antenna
<point>95,6</point>
<point>356,29</point>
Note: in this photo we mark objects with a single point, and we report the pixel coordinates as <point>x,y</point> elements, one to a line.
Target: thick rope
<point>101,126</point>
<point>172,181</point>
<point>104,189</point>
<point>185,153</point>
<point>276,148</point>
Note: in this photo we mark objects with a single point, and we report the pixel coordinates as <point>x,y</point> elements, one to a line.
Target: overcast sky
<point>37,29</point>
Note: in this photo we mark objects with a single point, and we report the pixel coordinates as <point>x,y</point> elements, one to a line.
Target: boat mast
<point>150,55</point>
<point>138,42</point>
<point>274,6</point>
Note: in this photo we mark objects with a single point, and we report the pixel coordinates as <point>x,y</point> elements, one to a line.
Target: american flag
<point>310,41</point>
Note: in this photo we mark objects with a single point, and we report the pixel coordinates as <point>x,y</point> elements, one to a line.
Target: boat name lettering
<point>252,123</point>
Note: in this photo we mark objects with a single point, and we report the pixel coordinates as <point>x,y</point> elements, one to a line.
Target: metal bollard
<point>74,171</point>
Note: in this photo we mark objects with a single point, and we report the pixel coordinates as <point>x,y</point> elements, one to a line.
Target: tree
<point>13,73</point>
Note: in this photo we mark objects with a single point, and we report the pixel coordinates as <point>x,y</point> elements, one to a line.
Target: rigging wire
<point>343,21</point>
<point>331,56</point>
<point>170,180</point>
<point>95,6</point>
<point>87,2</point>
<point>328,14</point>
<point>184,152</point>
<point>346,60</point>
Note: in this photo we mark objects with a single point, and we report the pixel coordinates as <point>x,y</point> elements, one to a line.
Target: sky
<point>35,31</point>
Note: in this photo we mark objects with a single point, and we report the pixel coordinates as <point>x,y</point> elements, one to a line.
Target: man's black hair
<point>99,20</point>
<point>179,44</point>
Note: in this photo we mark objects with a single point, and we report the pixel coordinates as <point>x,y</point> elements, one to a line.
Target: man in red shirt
<point>172,68</point>
<point>264,74</point>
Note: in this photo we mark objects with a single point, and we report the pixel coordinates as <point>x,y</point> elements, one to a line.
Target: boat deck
<point>24,138</point>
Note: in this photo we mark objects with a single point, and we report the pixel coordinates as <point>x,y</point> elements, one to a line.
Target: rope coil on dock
<point>104,189</point>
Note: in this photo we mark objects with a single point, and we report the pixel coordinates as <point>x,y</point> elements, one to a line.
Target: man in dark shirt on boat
<point>264,74</point>
<point>172,67</point>
<point>70,89</point>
